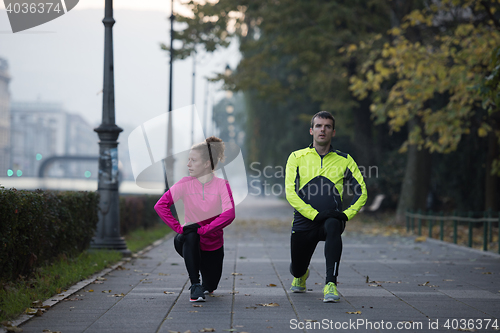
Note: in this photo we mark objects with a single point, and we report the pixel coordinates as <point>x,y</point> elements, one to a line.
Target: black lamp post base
<point>116,244</point>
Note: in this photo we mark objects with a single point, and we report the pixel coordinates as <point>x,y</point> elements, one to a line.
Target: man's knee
<point>334,226</point>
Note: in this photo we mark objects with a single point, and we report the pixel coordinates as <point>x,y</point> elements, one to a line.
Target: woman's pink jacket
<point>211,205</point>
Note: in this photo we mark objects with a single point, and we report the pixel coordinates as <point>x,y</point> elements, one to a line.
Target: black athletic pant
<point>303,244</point>
<point>209,263</point>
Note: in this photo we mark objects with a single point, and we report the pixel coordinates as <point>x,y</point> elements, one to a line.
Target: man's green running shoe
<point>299,284</point>
<point>331,293</point>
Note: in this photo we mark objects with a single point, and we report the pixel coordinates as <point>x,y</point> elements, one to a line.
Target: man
<point>314,180</point>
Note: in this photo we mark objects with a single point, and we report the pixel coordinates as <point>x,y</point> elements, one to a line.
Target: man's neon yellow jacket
<point>314,183</point>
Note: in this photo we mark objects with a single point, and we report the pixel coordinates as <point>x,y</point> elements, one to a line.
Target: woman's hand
<point>190,228</point>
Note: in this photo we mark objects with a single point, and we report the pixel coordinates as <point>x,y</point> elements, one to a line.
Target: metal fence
<point>487,221</point>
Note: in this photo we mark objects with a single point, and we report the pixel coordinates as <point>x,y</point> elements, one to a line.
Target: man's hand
<point>190,228</point>
<point>326,214</point>
<point>339,215</point>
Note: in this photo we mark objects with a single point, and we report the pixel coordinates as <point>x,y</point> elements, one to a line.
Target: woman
<point>209,207</point>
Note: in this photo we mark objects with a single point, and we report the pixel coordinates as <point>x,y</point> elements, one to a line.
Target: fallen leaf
<point>163,274</point>
<point>268,304</point>
<point>354,312</point>
<point>234,292</point>
<point>30,311</point>
<point>37,304</point>
<point>374,285</point>
<point>193,311</point>
<point>486,273</point>
<point>207,330</point>
<point>117,295</point>
<point>106,291</point>
<point>420,239</point>
<point>425,284</point>
<point>234,273</point>
<point>39,313</point>
<point>168,292</point>
<point>310,320</point>
<point>90,290</point>
<point>14,329</point>
<point>197,306</point>
<point>271,285</point>
<point>121,268</point>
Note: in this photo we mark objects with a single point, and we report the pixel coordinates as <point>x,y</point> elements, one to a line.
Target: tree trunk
<point>491,181</point>
<point>415,186</point>
<point>363,137</point>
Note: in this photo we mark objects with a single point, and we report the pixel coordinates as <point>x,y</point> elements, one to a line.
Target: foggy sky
<point>62,61</point>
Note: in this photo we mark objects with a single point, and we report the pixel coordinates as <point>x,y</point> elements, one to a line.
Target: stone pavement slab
<point>389,279</point>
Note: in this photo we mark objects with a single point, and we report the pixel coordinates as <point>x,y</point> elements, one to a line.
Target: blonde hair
<point>212,149</point>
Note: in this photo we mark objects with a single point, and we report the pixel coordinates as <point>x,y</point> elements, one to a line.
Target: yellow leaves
<point>354,312</point>
<point>420,239</point>
<point>482,132</point>
<point>395,31</point>
<point>464,30</point>
<point>352,48</point>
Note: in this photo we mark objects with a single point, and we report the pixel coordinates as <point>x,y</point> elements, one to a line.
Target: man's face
<point>322,131</point>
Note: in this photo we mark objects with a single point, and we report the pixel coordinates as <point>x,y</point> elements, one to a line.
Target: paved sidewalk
<point>389,279</point>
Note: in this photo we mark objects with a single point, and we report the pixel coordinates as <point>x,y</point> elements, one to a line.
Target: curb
<point>460,247</point>
<point>50,302</point>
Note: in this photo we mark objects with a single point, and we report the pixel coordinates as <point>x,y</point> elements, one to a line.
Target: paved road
<point>384,282</point>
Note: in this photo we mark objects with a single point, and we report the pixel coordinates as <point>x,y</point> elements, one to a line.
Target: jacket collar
<point>329,151</point>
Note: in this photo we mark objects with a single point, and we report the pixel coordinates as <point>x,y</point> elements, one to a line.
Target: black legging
<point>209,263</point>
<point>303,244</point>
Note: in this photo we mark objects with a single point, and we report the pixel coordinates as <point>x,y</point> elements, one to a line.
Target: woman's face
<point>196,166</point>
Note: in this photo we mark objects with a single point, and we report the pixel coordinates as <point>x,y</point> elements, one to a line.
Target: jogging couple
<point>314,180</point>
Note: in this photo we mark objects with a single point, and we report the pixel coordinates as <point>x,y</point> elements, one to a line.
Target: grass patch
<point>140,238</point>
<point>16,297</point>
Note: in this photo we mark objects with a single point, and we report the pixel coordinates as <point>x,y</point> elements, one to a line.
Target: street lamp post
<point>108,228</point>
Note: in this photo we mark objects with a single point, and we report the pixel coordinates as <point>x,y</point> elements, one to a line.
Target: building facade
<point>41,130</point>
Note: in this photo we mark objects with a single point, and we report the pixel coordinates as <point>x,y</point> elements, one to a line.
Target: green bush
<point>138,212</point>
<point>39,226</point>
